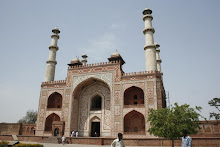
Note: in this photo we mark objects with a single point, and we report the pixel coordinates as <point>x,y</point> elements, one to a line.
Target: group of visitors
<point>74,133</point>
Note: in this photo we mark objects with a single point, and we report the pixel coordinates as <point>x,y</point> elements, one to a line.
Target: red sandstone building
<point>101,98</point>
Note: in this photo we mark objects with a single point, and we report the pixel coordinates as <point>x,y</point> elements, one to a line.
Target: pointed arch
<point>49,121</point>
<point>82,85</point>
<point>134,96</point>
<point>96,102</point>
<point>54,100</point>
<point>134,123</point>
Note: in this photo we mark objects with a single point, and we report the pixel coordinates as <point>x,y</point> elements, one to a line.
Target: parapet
<point>59,82</point>
<point>94,65</point>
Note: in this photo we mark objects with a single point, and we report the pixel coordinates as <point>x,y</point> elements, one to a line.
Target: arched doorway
<point>49,121</point>
<point>91,97</point>
<point>134,96</point>
<point>96,103</point>
<point>95,127</point>
<point>54,100</point>
<point>134,123</point>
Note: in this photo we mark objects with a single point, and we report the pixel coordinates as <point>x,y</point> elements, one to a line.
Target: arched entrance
<point>91,98</point>
<point>49,121</point>
<point>134,123</point>
<point>95,127</point>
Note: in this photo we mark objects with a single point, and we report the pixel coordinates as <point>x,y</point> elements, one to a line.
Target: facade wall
<point>109,82</point>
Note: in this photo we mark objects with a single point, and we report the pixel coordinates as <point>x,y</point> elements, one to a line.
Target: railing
<point>54,109</point>
<point>134,133</point>
<point>132,106</point>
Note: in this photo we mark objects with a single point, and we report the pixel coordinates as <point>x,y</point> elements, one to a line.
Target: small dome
<point>147,11</point>
<point>115,54</point>
<point>84,56</point>
<point>56,30</point>
<point>75,59</point>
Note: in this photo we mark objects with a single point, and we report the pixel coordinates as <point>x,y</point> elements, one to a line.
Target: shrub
<point>28,145</point>
<point>3,144</point>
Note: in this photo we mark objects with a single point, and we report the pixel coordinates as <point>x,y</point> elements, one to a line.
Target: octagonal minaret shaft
<point>51,62</point>
<point>158,57</point>
<point>150,49</point>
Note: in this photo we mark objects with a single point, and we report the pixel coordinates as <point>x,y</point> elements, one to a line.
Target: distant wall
<point>10,128</point>
<point>208,129</point>
<point>17,129</point>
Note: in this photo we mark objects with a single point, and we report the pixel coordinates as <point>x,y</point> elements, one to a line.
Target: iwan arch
<point>100,99</point>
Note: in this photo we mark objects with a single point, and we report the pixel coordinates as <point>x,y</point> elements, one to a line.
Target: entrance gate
<point>95,129</point>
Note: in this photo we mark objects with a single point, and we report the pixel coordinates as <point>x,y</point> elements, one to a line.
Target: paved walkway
<point>78,145</point>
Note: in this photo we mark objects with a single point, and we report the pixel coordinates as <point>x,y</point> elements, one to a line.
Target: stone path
<point>78,145</point>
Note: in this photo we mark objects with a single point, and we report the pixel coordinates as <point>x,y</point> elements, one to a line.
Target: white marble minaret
<point>150,48</point>
<point>158,57</point>
<point>51,62</point>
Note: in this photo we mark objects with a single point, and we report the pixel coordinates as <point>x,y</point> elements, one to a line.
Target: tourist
<point>95,134</point>
<point>77,133</point>
<point>118,142</point>
<point>186,140</point>
<point>63,139</point>
<point>72,133</point>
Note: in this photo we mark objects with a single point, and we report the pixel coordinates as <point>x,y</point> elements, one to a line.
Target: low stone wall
<point>10,128</point>
<point>198,142</point>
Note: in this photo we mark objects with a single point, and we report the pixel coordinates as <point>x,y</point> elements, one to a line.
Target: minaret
<point>51,62</point>
<point>158,57</point>
<point>150,49</point>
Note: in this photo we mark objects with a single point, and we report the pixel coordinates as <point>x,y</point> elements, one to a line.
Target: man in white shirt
<point>63,139</point>
<point>118,142</point>
<point>186,140</point>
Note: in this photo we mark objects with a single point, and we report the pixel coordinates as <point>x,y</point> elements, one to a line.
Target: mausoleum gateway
<point>101,97</point>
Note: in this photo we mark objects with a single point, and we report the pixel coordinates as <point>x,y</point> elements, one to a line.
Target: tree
<point>169,123</point>
<point>30,118</point>
<point>216,103</point>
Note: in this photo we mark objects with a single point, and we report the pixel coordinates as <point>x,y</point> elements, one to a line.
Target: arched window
<point>54,101</point>
<point>133,96</point>
<point>96,103</point>
<point>49,121</point>
<point>134,123</point>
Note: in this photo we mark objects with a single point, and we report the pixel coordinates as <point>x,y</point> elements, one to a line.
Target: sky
<point>187,31</point>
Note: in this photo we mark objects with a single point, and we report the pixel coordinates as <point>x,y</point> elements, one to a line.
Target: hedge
<point>5,144</point>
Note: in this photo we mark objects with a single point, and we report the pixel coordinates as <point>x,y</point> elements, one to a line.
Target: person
<point>77,133</point>
<point>72,133</point>
<point>118,142</point>
<point>186,140</point>
<point>95,134</point>
<point>63,139</point>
